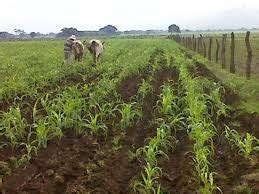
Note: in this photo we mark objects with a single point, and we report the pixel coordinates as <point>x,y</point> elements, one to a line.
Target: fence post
<point>201,44</point>
<point>195,44</point>
<point>223,51</point>
<point>199,40</point>
<point>217,51</point>
<point>191,43</point>
<point>210,45</point>
<point>232,54</point>
<point>249,55</point>
<point>204,48</point>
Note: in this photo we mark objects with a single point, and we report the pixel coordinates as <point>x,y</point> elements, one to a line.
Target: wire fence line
<point>237,52</point>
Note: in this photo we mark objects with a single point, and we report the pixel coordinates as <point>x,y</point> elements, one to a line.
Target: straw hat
<point>73,37</point>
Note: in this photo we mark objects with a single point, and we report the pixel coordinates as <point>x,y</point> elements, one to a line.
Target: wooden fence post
<point>204,48</point>
<point>191,43</point>
<point>232,54</point>
<point>223,51</point>
<point>210,45</point>
<point>198,47</point>
<point>201,44</point>
<point>195,44</point>
<point>217,51</point>
<point>249,56</point>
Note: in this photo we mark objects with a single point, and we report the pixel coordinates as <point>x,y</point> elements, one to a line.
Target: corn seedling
<point>217,106</point>
<point>30,150</point>
<point>246,145</point>
<point>128,114</point>
<point>200,128</point>
<point>116,143</point>
<point>145,89</point>
<point>167,103</point>
<point>208,181</point>
<point>149,182</point>
<point>42,132</point>
<point>95,125</point>
<point>12,125</point>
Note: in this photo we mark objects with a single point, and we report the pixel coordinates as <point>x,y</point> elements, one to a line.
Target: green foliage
<point>95,125</point>
<point>43,133</point>
<point>144,90</point>
<point>13,125</point>
<point>246,145</point>
<point>149,184</point>
<point>129,113</point>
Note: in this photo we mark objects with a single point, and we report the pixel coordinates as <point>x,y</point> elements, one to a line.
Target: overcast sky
<point>52,15</point>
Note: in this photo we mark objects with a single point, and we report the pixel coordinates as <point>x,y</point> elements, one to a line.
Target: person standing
<point>68,49</point>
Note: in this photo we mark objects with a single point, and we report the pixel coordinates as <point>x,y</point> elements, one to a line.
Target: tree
<point>66,32</point>
<point>19,32</point>
<point>109,29</point>
<point>33,34</point>
<point>174,29</point>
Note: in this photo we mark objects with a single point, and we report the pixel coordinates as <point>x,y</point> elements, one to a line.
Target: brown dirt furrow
<point>54,167</point>
<point>179,171</point>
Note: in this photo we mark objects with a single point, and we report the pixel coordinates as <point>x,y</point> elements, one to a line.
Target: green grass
<point>248,90</point>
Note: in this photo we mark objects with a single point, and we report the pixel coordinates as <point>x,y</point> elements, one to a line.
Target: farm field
<point>149,118</point>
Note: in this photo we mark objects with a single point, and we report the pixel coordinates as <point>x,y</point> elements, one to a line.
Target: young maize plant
<point>216,106</point>
<point>169,109</point>
<point>149,183</point>
<point>151,151</point>
<point>247,144</point>
<point>200,129</point>
<point>202,132</point>
<point>13,126</point>
<point>129,113</point>
<point>145,88</point>
<point>106,111</point>
<point>95,125</point>
<point>30,148</point>
<point>72,112</point>
<point>55,121</point>
<point>42,132</point>
<point>167,101</point>
<point>163,141</point>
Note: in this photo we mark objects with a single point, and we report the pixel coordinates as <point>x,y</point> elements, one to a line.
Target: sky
<point>52,15</point>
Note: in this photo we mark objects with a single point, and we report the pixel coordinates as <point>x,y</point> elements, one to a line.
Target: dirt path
<point>178,170</point>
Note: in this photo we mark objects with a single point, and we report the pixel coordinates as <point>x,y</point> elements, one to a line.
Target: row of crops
<point>142,116</point>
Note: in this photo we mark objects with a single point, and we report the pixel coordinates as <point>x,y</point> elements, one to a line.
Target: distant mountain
<point>6,35</point>
<point>230,19</point>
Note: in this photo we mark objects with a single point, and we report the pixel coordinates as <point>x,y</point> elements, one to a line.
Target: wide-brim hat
<point>73,37</point>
